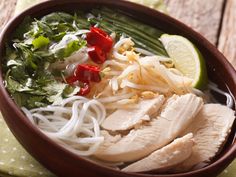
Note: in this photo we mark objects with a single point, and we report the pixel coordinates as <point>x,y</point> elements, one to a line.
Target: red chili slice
<point>98,37</point>
<point>84,89</point>
<point>84,86</point>
<point>86,73</point>
<point>71,79</point>
<point>96,54</point>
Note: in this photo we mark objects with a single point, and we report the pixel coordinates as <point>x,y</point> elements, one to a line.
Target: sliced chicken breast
<point>176,117</point>
<point>165,158</point>
<point>210,130</point>
<point>108,141</point>
<point>125,119</point>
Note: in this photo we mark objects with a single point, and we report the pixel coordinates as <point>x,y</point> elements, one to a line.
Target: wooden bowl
<point>63,162</point>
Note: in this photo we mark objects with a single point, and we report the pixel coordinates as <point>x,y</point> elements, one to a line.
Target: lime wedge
<point>187,59</point>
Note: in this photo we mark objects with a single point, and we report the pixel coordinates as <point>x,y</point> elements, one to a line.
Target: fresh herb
<point>40,41</point>
<point>22,28</point>
<point>58,91</point>
<point>30,54</point>
<point>69,48</point>
<point>36,43</point>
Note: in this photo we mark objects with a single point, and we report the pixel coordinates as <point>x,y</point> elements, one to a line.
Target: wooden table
<point>214,19</point>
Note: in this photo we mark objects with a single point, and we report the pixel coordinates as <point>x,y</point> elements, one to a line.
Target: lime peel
<point>187,59</point>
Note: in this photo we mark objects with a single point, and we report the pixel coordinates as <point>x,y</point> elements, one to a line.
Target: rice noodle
<point>75,123</point>
<point>197,92</point>
<point>229,99</point>
<point>28,114</point>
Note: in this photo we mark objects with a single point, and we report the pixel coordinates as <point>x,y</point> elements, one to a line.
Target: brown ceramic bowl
<point>64,163</point>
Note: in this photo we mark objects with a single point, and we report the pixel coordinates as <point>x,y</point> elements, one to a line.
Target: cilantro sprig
<point>30,53</point>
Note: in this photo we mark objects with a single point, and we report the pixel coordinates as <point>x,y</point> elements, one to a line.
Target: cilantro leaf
<point>58,91</point>
<point>28,100</point>
<point>43,28</point>
<point>70,91</point>
<point>69,48</point>
<point>14,86</point>
<point>30,53</point>
<point>18,71</point>
<point>40,41</point>
<point>22,28</point>
<point>36,101</point>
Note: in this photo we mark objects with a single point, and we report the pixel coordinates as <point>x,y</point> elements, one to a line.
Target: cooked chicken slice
<point>165,158</point>
<point>125,119</point>
<point>210,129</point>
<point>108,140</point>
<point>176,116</point>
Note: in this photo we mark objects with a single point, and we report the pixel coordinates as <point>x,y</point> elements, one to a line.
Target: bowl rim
<point>230,154</point>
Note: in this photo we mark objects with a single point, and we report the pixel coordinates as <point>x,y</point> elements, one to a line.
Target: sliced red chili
<point>86,73</point>
<point>71,79</point>
<point>96,54</point>
<point>84,89</point>
<point>84,86</point>
<point>98,37</point>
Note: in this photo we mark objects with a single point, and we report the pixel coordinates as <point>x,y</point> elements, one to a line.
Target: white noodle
<point>51,109</point>
<point>28,114</point>
<point>72,99</point>
<point>67,128</point>
<point>44,121</point>
<point>197,92</point>
<point>77,126</point>
<point>229,99</point>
